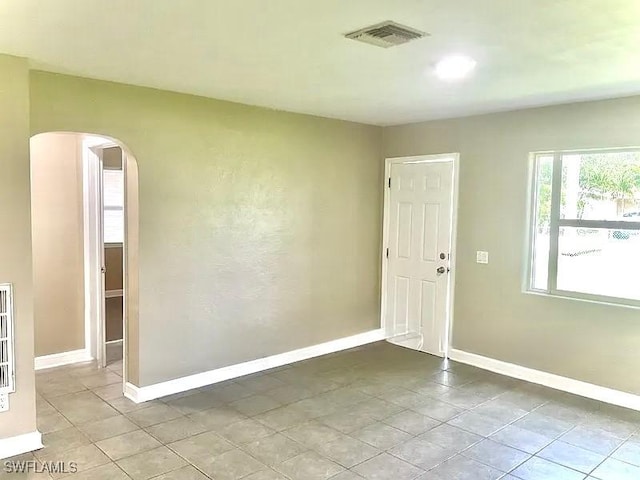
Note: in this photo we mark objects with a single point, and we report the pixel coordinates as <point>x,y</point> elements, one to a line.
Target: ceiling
<point>291,55</point>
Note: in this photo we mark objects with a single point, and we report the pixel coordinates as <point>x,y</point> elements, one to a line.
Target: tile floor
<point>379,412</point>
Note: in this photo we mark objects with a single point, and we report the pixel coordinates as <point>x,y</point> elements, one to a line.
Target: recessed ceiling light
<point>455,67</point>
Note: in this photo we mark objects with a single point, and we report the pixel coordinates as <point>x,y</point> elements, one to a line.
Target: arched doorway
<point>84,228</point>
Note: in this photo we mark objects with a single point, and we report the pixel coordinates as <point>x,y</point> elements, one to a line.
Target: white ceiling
<point>290,54</point>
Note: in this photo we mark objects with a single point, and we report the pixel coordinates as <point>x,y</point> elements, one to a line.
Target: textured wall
<point>592,342</point>
<point>57,231</point>
<point>15,237</point>
<point>259,230</point>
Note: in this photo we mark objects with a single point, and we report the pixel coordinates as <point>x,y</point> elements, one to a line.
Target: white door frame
<point>442,157</point>
<point>94,246</point>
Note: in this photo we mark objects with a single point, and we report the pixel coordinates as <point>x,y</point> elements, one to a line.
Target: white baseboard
<point>20,444</point>
<point>114,342</point>
<point>143,394</point>
<point>577,387</point>
<point>64,358</point>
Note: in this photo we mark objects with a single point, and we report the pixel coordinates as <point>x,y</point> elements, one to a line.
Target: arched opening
<point>84,202</point>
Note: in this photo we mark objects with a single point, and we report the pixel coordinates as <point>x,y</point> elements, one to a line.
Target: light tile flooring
<point>378,412</point>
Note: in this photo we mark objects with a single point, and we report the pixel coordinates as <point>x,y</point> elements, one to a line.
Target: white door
<point>93,192</point>
<point>419,219</point>
<point>102,335</point>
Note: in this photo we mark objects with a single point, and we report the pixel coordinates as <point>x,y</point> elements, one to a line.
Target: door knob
<point>441,270</point>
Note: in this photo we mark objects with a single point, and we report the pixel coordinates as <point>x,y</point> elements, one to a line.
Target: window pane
<point>113,191</point>
<point>540,261</point>
<point>599,261</point>
<point>113,186</point>
<point>113,226</point>
<point>601,186</point>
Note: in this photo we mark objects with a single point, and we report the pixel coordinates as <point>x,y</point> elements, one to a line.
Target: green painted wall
<point>15,237</point>
<point>259,229</point>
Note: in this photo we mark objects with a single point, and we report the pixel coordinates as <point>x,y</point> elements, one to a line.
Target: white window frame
<point>556,223</point>
<point>116,208</point>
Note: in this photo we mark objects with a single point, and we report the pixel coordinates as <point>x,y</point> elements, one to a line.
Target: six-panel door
<point>419,242</point>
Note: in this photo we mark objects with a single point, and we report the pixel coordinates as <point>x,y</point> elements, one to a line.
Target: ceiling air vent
<point>386,34</point>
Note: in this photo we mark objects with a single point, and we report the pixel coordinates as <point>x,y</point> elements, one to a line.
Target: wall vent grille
<point>7,365</point>
<point>386,34</point>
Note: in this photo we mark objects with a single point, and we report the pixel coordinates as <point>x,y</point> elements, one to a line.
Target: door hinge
<point>387,252</point>
<point>389,182</point>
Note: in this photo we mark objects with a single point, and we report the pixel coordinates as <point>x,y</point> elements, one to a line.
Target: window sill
<point>603,301</point>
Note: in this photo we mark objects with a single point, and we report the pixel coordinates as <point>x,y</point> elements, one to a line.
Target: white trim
<point>531,220</point>
<point>101,327</point>
<point>441,157</point>
<point>608,301</point>
<point>150,392</point>
<point>577,387</point>
<point>554,219</point>
<point>589,151</point>
<point>64,358</point>
<point>604,224</point>
<point>115,342</point>
<point>136,394</point>
<point>114,293</point>
<point>385,242</point>
<point>92,242</point>
<point>453,252</point>
<point>27,442</point>
<point>125,268</point>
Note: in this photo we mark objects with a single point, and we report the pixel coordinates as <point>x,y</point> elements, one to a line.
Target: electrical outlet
<point>4,402</point>
<point>482,257</point>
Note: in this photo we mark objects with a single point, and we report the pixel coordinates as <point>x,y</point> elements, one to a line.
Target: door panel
<point>430,216</point>
<point>428,303</point>
<point>405,214</point>
<point>420,222</point>
<point>401,302</point>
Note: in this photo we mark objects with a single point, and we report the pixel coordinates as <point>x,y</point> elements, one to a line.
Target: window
<point>586,225</point>
<point>113,191</point>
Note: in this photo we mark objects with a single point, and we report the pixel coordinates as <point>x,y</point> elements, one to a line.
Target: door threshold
<point>411,340</point>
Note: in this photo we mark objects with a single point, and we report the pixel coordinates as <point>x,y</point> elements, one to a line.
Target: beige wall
<point>57,230</point>
<point>493,317</point>
<point>132,270</point>
<point>112,157</point>
<point>259,230</point>
<point>113,318</point>
<point>15,237</point>
<point>113,263</point>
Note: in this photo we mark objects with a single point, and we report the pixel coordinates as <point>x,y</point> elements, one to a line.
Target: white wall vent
<point>7,363</point>
<point>386,34</point>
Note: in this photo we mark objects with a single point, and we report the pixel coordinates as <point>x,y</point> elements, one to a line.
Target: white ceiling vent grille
<point>386,34</point>
<point>7,369</point>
